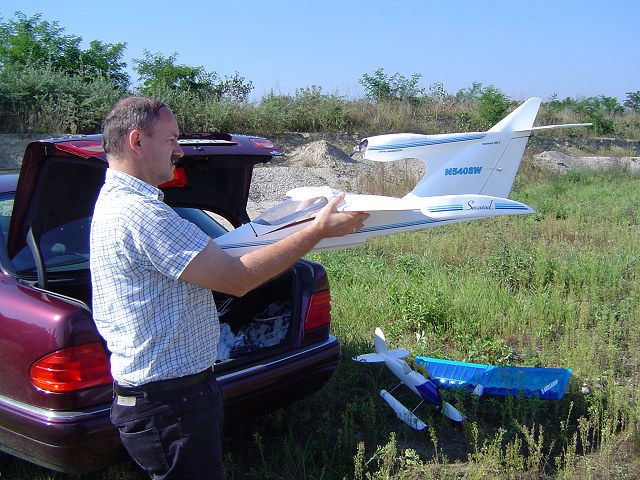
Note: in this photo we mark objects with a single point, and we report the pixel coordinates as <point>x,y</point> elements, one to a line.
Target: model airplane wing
<point>441,206</point>
<point>387,215</point>
<point>529,382</point>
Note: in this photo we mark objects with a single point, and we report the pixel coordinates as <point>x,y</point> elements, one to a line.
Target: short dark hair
<point>128,114</point>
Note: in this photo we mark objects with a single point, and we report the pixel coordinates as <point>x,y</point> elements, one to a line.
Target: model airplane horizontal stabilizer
<point>528,382</point>
<point>377,358</point>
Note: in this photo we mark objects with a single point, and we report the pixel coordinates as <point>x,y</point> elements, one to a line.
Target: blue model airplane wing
<point>530,382</point>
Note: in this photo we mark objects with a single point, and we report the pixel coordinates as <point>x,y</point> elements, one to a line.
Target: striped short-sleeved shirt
<point>156,326</point>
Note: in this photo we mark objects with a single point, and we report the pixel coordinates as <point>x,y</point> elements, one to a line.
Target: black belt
<point>162,386</point>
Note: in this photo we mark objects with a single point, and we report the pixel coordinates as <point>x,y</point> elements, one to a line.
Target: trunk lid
<point>60,179</point>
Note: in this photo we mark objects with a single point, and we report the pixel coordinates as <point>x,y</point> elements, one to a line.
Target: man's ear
<point>134,140</point>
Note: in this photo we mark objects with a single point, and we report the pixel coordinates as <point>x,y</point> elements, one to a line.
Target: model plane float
<point>431,374</point>
<point>468,176</point>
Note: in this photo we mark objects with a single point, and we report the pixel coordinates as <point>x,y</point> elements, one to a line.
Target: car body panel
<point>84,440</point>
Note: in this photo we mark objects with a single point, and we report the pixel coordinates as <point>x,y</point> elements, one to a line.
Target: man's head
<point>129,114</point>
<point>140,135</point>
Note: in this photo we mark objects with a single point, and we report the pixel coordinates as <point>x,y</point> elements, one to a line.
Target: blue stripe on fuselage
<point>429,141</point>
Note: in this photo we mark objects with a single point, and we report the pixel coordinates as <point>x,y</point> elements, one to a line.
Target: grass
<point>558,288</point>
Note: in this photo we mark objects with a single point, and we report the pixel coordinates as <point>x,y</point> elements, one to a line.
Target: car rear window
<point>66,248</point>
<point>6,207</point>
<point>63,249</point>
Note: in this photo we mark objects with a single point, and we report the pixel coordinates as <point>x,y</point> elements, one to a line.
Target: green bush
<point>46,100</point>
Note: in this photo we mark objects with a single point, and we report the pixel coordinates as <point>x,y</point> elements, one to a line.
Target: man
<point>153,273</point>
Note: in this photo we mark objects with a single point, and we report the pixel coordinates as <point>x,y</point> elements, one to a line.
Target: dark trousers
<point>176,434</point>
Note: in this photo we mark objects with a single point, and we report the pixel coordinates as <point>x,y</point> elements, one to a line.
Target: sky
<point>536,48</point>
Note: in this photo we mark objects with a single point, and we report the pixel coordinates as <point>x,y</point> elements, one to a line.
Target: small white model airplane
<point>423,387</point>
<point>469,176</point>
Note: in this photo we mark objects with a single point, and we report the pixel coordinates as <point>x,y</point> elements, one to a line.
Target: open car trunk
<point>49,234</point>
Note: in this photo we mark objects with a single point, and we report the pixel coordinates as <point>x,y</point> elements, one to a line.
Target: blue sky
<point>536,48</point>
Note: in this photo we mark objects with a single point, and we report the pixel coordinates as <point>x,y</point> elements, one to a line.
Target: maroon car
<point>55,385</point>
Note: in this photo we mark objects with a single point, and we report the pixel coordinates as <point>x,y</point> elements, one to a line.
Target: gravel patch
<point>564,162</point>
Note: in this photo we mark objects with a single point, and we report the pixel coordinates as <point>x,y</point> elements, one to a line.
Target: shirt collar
<point>135,183</point>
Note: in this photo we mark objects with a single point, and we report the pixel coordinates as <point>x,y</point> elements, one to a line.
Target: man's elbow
<point>237,290</point>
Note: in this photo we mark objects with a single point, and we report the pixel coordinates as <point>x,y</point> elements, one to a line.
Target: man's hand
<point>331,223</point>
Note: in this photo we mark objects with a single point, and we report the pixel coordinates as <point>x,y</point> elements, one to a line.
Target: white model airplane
<point>422,386</point>
<point>469,176</point>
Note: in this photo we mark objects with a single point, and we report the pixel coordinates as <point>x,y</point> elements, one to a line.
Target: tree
<point>235,88</point>
<point>32,42</point>
<point>105,59</point>
<point>493,105</point>
<point>610,104</point>
<point>633,101</point>
<point>380,86</point>
<point>159,73</point>
<point>470,94</point>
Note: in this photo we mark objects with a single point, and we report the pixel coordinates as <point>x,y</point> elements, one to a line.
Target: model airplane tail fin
<point>488,164</point>
<point>379,341</point>
<point>521,118</point>
<point>478,162</point>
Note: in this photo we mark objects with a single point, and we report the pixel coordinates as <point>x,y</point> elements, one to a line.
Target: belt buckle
<point>126,401</point>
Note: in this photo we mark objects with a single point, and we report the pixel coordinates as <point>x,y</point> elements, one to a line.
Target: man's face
<point>160,150</point>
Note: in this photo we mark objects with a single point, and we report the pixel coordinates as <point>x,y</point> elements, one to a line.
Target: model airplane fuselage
<point>386,215</point>
<point>468,177</point>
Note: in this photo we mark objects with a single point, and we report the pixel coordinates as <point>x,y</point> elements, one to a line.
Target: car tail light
<point>72,369</point>
<point>319,311</point>
<point>179,179</point>
<point>82,147</point>
<point>263,143</point>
